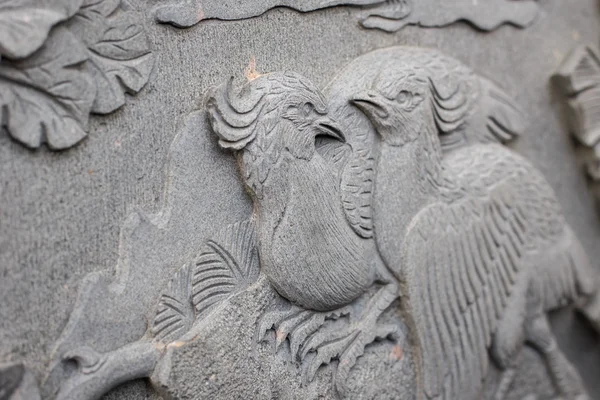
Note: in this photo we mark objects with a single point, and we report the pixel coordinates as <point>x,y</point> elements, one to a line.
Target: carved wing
<point>466,258</point>
<point>356,167</point>
<point>354,160</point>
<point>464,273</point>
<point>499,118</point>
<point>469,108</point>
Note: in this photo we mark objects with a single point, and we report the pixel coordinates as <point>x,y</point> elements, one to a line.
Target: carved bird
<point>310,253</point>
<point>481,248</point>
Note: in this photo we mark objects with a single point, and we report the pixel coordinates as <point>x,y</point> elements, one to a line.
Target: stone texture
<point>61,214</point>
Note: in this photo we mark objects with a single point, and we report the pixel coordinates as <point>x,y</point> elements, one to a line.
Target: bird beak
<point>329,127</point>
<point>370,102</point>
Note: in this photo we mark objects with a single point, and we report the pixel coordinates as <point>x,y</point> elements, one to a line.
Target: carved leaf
<point>175,314</point>
<point>119,55</point>
<point>48,97</point>
<point>25,24</point>
<point>227,264</point>
<point>579,80</point>
<point>84,66</point>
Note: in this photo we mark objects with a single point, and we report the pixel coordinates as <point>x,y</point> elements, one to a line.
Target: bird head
<point>396,110</point>
<point>270,122</point>
<point>406,103</point>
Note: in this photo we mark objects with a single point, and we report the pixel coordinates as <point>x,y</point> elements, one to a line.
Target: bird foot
<point>295,324</point>
<point>346,346</point>
<point>305,332</point>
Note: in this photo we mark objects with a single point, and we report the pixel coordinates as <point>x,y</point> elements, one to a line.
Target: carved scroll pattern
<point>387,15</point>
<point>51,79</point>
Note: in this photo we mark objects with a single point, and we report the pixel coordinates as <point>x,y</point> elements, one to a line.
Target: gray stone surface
<point>53,79</point>
<point>387,15</point>
<point>62,213</point>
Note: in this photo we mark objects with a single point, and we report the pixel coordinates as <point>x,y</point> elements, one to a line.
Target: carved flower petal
<point>47,98</point>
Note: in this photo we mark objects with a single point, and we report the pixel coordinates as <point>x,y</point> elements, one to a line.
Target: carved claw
<point>296,325</point>
<point>288,326</point>
<point>349,344</point>
<point>347,347</point>
<point>327,352</point>
<point>303,330</point>
<point>273,319</point>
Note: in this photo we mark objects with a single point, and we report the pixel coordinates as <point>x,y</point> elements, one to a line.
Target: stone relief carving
<point>17,383</point>
<point>394,15</point>
<point>26,23</point>
<point>186,13</point>
<point>387,15</point>
<point>386,217</point>
<point>53,79</point>
<point>578,78</point>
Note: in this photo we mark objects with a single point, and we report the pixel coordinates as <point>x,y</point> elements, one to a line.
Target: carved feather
<point>468,257</point>
<point>476,113</point>
<point>357,191</point>
<point>504,119</point>
<point>357,166</point>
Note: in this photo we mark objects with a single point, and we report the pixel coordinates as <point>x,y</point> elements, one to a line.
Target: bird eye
<point>308,108</point>
<point>403,97</point>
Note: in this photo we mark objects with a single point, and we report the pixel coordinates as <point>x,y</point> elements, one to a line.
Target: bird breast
<point>314,257</point>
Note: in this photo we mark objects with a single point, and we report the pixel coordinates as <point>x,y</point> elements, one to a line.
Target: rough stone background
<point>60,213</point>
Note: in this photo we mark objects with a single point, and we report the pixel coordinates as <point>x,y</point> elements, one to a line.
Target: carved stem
<point>131,362</point>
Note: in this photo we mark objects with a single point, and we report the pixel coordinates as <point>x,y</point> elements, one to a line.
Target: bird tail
<point>578,282</point>
<point>500,119</point>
